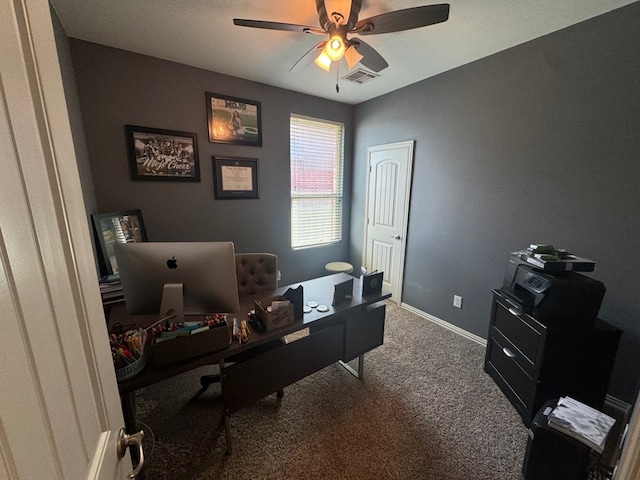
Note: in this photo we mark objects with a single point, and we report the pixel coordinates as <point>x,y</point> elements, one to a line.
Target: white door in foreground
<point>59,399</point>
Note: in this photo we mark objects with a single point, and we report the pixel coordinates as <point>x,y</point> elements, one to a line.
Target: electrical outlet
<point>457,301</point>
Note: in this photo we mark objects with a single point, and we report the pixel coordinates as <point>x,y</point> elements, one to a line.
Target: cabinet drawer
<point>364,332</point>
<point>247,381</point>
<point>521,330</point>
<point>513,378</point>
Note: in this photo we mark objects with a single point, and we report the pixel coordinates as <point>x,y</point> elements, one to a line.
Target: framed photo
<point>235,177</point>
<point>117,227</point>
<point>372,283</point>
<point>156,154</point>
<point>233,120</point>
<point>343,292</point>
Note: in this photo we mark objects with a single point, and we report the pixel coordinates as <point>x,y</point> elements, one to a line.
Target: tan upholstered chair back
<point>256,272</point>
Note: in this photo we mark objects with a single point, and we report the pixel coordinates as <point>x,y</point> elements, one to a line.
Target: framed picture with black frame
<point>166,155</point>
<point>235,178</point>
<point>117,227</point>
<point>233,120</point>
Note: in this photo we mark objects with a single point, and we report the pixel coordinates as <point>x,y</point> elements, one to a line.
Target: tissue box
<point>277,319</point>
<point>174,350</point>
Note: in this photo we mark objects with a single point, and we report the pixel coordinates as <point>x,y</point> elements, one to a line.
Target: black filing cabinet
<point>533,362</point>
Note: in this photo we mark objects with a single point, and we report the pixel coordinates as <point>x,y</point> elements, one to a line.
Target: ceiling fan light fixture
<point>339,18</point>
<point>323,61</point>
<point>352,56</point>
<point>335,48</point>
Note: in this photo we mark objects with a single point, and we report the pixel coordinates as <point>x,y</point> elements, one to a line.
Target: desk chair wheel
<point>280,393</point>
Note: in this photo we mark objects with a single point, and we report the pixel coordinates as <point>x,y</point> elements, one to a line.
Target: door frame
<point>63,411</point>
<point>396,295</point>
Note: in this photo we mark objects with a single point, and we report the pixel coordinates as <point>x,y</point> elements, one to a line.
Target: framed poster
<point>233,120</point>
<point>156,154</point>
<point>117,227</point>
<point>235,178</point>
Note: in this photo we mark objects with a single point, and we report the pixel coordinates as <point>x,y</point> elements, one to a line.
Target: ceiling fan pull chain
<point>337,77</point>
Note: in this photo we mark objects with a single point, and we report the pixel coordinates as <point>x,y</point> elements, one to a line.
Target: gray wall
<point>536,144</point>
<point>117,87</point>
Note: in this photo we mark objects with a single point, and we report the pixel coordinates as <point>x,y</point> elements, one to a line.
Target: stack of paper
<point>581,422</point>
<point>111,292</point>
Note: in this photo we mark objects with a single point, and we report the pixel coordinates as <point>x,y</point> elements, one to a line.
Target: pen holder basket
<point>132,369</point>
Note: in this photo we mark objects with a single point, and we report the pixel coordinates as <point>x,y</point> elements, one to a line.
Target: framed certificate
<point>235,178</point>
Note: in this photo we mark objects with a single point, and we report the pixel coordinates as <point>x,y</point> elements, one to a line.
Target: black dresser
<point>534,361</point>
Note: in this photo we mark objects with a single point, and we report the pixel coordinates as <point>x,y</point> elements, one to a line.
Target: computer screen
<point>177,278</point>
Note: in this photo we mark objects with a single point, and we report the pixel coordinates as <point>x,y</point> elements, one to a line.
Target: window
<point>317,158</point>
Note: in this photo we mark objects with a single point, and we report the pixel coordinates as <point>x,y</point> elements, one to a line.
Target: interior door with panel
<point>388,193</point>
<point>61,413</point>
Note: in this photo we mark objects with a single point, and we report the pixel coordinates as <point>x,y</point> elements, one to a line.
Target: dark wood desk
<point>347,331</point>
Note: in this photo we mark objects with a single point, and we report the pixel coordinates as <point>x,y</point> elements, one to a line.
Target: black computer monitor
<point>177,278</point>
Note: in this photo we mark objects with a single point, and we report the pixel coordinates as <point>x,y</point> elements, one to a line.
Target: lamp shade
<point>323,61</point>
<point>352,56</point>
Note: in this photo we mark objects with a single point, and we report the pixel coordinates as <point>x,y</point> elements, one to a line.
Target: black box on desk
<point>552,455</point>
<point>180,348</point>
<point>276,319</point>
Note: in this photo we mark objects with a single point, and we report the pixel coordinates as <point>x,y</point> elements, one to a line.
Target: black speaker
<point>552,455</point>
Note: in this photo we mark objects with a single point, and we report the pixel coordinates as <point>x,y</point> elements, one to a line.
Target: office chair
<point>256,273</point>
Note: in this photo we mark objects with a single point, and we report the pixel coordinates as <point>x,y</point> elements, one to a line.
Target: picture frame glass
<point>167,155</point>
<point>234,120</point>
<point>235,178</point>
<point>117,227</point>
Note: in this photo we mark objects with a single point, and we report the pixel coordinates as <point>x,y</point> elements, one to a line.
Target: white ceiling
<point>201,33</point>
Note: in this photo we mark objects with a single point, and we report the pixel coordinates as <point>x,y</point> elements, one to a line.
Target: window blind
<point>317,164</point>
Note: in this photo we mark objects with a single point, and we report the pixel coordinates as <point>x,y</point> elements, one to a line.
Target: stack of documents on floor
<point>581,422</point>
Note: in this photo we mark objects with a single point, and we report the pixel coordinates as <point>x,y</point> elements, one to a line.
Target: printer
<point>561,298</point>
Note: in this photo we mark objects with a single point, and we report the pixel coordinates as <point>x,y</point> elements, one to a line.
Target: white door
<point>59,405</point>
<point>388,194</point>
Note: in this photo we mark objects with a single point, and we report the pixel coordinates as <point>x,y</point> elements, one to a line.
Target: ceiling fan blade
<point>356,5</point>
<point>405,19</point>
<point>323,16</point>
<point>370,57</point>
<point>288,27</point>
<point>307,58</point>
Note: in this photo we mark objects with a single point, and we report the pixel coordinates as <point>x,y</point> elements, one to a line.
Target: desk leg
<point>128,401</point>
<point>227,432</point>
<point>360,372</point>
<point>227,415</point>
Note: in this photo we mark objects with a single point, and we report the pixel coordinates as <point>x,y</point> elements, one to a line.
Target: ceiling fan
<point>340,17</point>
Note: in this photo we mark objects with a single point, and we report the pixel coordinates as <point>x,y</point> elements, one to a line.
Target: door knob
<point>396,237</point>
<point>125,441</point>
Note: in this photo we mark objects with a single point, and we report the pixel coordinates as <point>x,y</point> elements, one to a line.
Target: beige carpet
<point>425,410</point>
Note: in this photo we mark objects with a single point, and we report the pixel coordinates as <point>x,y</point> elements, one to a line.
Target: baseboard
<point>614,406</point>
<point>447,325</point>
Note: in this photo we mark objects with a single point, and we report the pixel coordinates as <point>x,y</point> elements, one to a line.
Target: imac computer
<point>177,278</point>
